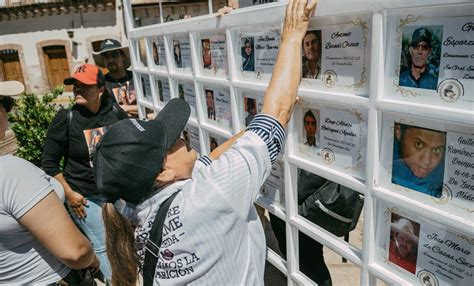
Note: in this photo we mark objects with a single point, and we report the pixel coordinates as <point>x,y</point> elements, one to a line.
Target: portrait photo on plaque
<point>191,138</point>
<point>142,53</point>
<point>182,52</point>
<point>158,51</point>
<point>178,58</point>
<point>186,92</point>
<point>258,52</point>
<point>333,136</point>
<point>214,54</point>
<point>273,190</point>
<point>163,89</point>
<point>156,55</point>
<point>312,55</point>
<point>429,161</point>
<point>210,104</point>
<point>252,105</point>
<point>429,57</point>
<point>404,237</point>
<point>418,159</point>
<point>420,56</point>
<point>214,142</point>
<point>336,54</point>
<point>310,130</point>
<point>146,89</point>
<point>206,53</point>
<point>218,106</point>
<point>421,250</point>
<point>248,54</point>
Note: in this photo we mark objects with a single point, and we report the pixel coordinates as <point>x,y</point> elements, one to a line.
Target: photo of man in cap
<point>403,243</point>
<point>418,159</point>
<point>421,67</point>
<point>119,80</point>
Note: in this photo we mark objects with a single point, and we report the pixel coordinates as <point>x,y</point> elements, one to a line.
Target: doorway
<point>57,66</point>
<point>10,66</point>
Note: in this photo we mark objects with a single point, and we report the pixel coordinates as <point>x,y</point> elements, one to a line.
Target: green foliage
<point>32,116</point>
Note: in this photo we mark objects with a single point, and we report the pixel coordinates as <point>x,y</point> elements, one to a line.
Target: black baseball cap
<point>421,35</point>
<point>130,155</point>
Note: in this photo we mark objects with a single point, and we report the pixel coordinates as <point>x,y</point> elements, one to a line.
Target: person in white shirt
<point>212,234</point>
<point>39,243</point>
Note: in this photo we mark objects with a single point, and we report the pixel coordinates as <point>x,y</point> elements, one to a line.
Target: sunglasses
<point>113,54</point>
<point>7,103</point>
<point>422,46</point>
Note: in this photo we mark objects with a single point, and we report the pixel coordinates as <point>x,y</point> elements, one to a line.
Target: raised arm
<point>280,96</point>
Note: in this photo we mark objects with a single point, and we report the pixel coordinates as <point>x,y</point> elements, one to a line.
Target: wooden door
<point>11,67</point>
<point>57,66</point>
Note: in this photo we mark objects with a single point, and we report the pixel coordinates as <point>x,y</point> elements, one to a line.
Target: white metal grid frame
<point>376,105</point>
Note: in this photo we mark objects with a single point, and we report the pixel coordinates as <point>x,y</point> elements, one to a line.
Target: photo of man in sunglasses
<point>119,80</point>
<point>422,63</point>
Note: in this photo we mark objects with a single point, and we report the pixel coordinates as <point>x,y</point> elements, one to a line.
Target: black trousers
<point>310,252</point>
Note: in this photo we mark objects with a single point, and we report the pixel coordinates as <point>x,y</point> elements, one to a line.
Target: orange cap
<point>87,74</point>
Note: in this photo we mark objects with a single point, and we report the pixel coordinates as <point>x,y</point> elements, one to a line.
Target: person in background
<point>31,217</point>
<point>66,139</point>
<point>311,255</point>
<point>119,80</point>
<point>217,237</point>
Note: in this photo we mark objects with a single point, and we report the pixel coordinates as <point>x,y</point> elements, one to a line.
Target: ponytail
<point>120,247</point>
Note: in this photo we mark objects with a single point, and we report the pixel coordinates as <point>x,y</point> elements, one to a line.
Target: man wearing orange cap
<point>94,110</point>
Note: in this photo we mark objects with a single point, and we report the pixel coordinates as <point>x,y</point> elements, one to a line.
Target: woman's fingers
<point>310,7</point>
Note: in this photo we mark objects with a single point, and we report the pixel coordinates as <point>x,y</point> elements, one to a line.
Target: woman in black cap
<point>211,232</point>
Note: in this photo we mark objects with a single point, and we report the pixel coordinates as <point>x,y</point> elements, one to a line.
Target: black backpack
<point>330,205</point>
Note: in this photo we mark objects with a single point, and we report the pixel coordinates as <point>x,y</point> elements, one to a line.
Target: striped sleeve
<point>205,160</point>
<point>271,132</point>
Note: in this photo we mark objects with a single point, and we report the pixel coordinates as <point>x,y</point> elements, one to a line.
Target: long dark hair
<point>120,247</point>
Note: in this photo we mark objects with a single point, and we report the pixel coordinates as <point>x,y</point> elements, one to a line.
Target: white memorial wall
<point>403,140</point>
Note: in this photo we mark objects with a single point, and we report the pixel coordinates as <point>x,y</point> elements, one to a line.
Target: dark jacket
<point>69,140</point>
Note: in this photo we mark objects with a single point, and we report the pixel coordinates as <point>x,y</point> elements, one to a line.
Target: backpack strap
<point>69,124</point>
<point>69,120</point>
<point>152,247</point>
